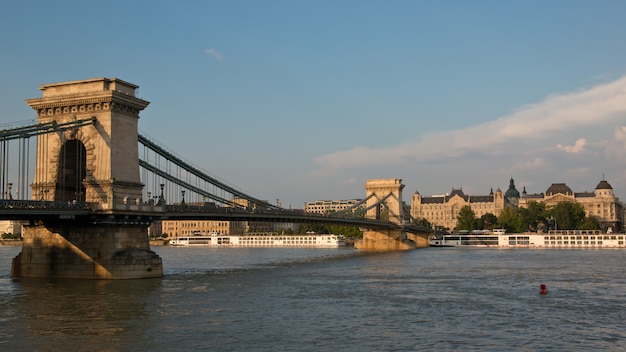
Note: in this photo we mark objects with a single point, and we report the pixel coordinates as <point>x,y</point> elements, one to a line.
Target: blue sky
<point>306,100</point>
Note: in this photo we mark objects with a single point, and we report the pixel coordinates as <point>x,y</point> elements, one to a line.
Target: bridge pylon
<point>98,164</point>
<point>384,202</point>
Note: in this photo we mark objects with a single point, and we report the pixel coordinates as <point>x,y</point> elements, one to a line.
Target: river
<point>286,299</point>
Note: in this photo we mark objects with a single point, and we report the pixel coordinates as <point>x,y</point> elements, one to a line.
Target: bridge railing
<point>40,204</point>
<point>212,208</point>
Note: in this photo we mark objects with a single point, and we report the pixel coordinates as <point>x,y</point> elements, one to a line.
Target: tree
<point>590,223</point>
<point>423,222</point>
<point>346,231</point>
<point>510,220</point>
<point>466,220</point>
<point>533,215</point>
<point>318,228</point>
<point>568,215</point>
<point>488,222</point>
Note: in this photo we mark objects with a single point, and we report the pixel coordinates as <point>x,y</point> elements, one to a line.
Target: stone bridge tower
<point>387,192</point>
<point>97,163</point>
<point>391,191</point>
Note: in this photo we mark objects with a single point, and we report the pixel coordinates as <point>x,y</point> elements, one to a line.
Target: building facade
<point>601,203</point>
<point>178,228</point>
<point>442,210</point>
<point>13,227</point>
<point>329,206</point>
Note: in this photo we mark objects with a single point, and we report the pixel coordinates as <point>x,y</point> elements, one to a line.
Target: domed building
<point>512,194</point>
<point>600,203</point>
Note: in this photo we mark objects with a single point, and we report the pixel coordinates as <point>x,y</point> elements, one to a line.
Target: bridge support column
<point>87,252</point>
<point>384,240</point>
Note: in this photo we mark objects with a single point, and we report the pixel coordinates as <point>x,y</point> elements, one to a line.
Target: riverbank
<point>159,242</point>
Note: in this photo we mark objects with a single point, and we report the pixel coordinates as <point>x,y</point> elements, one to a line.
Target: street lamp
<point>183,193</point>
<point>553,219</point>
<point>161,198</point>
<point>10,185</point>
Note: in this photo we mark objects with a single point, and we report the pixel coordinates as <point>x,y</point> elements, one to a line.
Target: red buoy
<point>543,290</point>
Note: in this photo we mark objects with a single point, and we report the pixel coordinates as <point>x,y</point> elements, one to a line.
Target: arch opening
<point>72,172</point>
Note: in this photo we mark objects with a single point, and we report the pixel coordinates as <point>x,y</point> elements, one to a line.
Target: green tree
<point>533,216</point>
<point>568,215</point>
<point>488,222</point>
<point>590,223</point>
<point>346,231</point>
<point>423,222</point>
<point>466,220</point>
<point>510,220</point>
<point>317,228</point>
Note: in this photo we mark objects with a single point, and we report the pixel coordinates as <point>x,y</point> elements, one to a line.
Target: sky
<point>306,100</point>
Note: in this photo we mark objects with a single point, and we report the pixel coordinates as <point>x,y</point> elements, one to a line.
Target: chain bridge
<point>95,184</point>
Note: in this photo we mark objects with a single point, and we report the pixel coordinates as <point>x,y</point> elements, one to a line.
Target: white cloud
<point>350,181</point>
<point>538,123</point>
<point>213,52</point>
<point>620,135</point>
<point>535,163</point>
<point>578,147</point>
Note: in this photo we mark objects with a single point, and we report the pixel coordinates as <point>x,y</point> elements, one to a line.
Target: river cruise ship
<point>551,239</point>
<point>221,240</point>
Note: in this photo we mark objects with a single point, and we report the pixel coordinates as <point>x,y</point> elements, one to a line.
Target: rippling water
<point>279,299</point>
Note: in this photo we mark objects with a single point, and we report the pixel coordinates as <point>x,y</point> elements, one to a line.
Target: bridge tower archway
<point>107,170</point>
<point>71,172</point>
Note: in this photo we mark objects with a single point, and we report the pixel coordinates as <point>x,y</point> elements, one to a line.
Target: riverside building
<point>329,206</point>
<point>442,210</point>
<point>600,203</point>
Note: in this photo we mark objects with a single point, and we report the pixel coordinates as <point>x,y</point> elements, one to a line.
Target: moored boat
<point>218,240</point>
<point>551,239</point>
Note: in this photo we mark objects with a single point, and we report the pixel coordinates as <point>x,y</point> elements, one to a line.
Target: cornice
<point>111,101</point>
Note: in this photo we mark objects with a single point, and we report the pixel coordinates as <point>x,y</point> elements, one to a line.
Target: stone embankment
<point>159,242</point>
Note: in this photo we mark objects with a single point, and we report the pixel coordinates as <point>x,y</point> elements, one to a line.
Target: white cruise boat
<point>551,239</point>
<point>222,240</point>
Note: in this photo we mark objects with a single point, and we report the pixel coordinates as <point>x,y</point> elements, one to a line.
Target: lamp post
<point>161,198</point>
<point>183,201</point>
<point>9,186</point>
<point>554,219</point>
